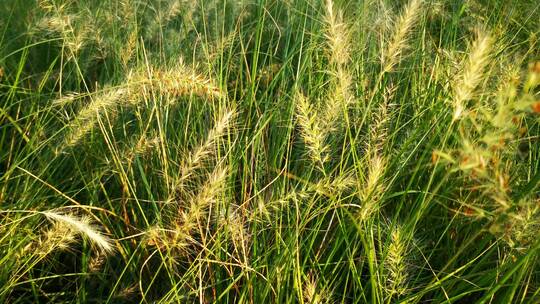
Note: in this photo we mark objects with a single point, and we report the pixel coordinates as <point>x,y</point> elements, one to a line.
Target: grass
<point>265,151</point>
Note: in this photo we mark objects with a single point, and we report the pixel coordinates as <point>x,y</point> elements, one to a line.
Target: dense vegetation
<point>269,151</point>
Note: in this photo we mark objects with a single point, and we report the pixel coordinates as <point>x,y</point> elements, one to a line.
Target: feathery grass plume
<point>76,30</point>
<point>339,100</point>
<point>85,120</point>
<point>84,226</point>
<point>312,293</point>
<point>487,157</point>
<point>374,186</point>
<point>380,22</point>
<point>130,46</point>
<point>333,186</point>
<point>63,25</point>
<point>96,262</point>
<point>521,231</point>
<point>209,193</point>
<point>313,135</point>
<point>141,146</point>
<point>126,11</point>
<point>239,232</point>
<point>395,264</point>
<point>219,48</point>
<point>55,24</point>
<point>533,78</point>
<point>191,219</point>
<point>379,128</point>
<point>145,144</point>
<point>127,293</point>
<point>46,5</point>
<point>337,35</point>
<point>59,236</point>
<point>338,40</point>
<point>176,239</point>
<point>167,13</point>
<point>66,99</point>
<point>473,72</point>
<point>398,41</point>
<point>179,81</point>
<point>206,148</point>
<point>173,10</point>
<point>155,236</point>
<point>232,221</point>
<point>268,204</point>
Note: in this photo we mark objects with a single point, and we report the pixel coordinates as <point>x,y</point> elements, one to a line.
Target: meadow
<point>270,151</point>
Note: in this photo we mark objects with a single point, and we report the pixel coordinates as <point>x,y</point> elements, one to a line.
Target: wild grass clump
<point>309,151</point>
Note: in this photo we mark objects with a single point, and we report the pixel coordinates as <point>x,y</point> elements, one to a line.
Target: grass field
<point>269,151</point>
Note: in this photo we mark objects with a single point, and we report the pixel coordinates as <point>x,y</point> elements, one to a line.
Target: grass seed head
<point>473,72</point>
<point>183,81</point>
<point>398,42</point>
<point>209,192</point>
<point>82,225</point>
<point>313,292</point>
<point>310,128</point>
<point>395,264</point>
<point>86,119</point>
<point>207,148</point>
<point>59,236</point>
<point>337,35</point>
